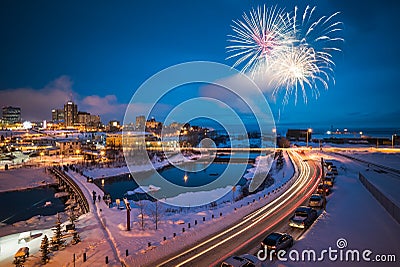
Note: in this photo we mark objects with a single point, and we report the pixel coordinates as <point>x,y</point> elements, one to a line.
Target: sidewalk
<point>99,211</point>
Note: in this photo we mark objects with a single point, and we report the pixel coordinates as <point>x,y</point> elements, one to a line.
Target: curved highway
<point>245,236</point>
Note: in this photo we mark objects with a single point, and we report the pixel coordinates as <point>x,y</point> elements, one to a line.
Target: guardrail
<point>370,163</point>
<point>81,199</point>
<point>387,203</point>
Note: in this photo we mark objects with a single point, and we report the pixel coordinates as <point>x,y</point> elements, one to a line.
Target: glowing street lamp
<point>308,131</point>
<point>393,136</point>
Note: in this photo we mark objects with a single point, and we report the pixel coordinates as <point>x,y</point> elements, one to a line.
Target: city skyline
<point>99,63</point>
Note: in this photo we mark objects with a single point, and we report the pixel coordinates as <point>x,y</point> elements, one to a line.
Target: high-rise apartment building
<point>70,113</point>
<point>57,115</point>
<point>11,115</point>
<point>87,119</point>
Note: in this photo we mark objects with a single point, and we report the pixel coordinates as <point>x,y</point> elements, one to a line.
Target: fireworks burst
<point>259,36</point>
<point>297,68</point>
<point>296,50</point>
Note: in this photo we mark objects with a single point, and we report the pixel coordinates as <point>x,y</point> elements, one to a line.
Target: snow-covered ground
<point>386,157</point>
<point>105,223</point>
<point>173,219</point>
<point>352,214</point>
<point>23,178</point>
<point>388,184</point>
<point>11,243</point>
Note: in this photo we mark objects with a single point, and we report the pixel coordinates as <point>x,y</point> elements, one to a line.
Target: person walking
<point>94,197</point>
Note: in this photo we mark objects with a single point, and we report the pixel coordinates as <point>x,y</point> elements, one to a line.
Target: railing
<point>395,171</point>
<point>82,201</point>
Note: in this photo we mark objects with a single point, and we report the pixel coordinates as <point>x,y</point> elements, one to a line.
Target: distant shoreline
<point>29,188</point>
<point>25,178</point>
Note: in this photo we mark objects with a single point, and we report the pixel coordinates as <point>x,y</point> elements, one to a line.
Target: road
<point>245,236</point>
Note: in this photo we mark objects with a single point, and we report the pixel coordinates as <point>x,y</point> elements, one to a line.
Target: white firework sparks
<point>259,36</point>
<point>297,68</point>
<point>321,33</point>
<point>296,50</point>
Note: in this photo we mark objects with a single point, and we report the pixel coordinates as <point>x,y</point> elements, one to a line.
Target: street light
<point>393,136</point>
<point>308,131</point>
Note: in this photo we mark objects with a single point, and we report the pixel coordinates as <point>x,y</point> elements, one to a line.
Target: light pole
<point>393,136</point>
<point>323,179</point>
<point>128,214</point>
<point>308,131</point>
<point>78,151</point>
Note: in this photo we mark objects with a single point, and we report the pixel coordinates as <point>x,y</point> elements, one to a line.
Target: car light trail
<point>273,224</point>
<point>300,185</point>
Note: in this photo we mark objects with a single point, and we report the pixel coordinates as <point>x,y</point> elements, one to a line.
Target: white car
<point>245,260</point>
<point>316,201</point>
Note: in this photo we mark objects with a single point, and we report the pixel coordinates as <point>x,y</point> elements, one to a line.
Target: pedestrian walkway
<point>97,208</point>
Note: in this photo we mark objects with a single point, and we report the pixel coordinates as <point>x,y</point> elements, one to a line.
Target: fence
<point>71,184</point>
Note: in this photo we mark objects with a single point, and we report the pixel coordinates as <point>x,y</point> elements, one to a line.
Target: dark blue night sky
<point>99,52</point>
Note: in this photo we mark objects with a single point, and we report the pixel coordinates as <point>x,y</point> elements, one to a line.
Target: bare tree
<point>142,205</point>
<point>156,213</point>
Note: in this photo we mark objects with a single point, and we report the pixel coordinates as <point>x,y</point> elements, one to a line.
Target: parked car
<point>323,187</point>
<point>334,170</point>
<point>277,242</point>
<point>245,260</point>
<point>316,201</point>
<point>330,174</point>
<point>328,163</point>
<point>329,181</point>
<point>303,217</point>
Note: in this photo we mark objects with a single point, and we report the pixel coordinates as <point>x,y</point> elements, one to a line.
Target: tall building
<point>57,115</point>
<point>86,119</point>
<point>11,115</point>
<point>153,126</point>
<point>113,126</point>
<point>70,113</point>
<point>140,122</point>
